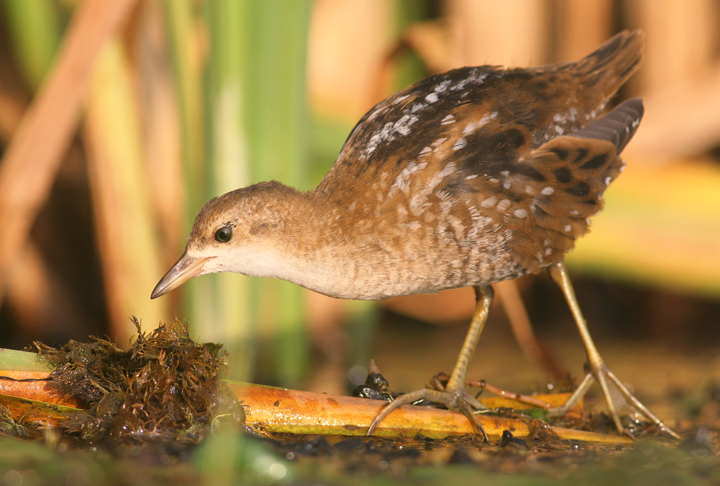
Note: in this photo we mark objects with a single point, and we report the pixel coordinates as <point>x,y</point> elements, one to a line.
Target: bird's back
<point>474,176</point>
<point>513,107</point>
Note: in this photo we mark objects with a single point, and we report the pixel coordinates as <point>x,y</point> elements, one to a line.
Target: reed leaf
<point>228,168</point>
<point>659,227</point>
<point>35,29</point>
<point>126,238</point>
<point>276,120</point>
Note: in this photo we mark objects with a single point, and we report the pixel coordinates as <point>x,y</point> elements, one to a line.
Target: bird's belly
<point>378,276</point>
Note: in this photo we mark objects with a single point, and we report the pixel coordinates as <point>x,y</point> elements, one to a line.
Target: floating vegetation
<point>165,389</point>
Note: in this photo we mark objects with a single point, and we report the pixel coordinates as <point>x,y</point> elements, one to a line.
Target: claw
<point>598,370</point>
<point>454,396</point>
<point>461,400</point>
<point>603,374</point>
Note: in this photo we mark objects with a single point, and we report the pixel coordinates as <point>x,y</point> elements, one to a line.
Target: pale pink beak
<point>185,269</point>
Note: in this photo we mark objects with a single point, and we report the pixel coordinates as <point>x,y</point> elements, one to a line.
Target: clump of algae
<point>166,389</point>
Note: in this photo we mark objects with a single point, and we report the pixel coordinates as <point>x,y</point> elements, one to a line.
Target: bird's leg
<point>455,396</point>
<point>483,301</point>
<point>598,369</point>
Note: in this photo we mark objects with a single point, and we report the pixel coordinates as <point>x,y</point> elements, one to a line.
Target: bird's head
<point>236,232</point>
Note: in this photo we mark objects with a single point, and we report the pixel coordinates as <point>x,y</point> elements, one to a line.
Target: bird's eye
<point>224,234</point>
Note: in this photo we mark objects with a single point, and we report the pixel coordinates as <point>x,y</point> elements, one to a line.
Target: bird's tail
<point>611,64</point>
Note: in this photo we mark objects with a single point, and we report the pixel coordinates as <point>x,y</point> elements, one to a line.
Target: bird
<point>464,179</point>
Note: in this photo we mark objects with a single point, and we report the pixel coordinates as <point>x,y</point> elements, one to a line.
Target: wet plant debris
<point>166,389</point>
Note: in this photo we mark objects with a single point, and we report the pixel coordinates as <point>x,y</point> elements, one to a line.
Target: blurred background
<point>119,120</point>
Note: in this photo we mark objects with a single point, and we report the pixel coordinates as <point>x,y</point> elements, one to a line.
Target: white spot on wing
<point>386,133</point>
<point>402,126</point>
<point>431,98</point>
<point>461,143</point>
<point>417,107</point>
<point>442,86</point>
<point>375,113</point>
<point>378,137</point>
<point>548,191</point>
<point>447,170</point>
<point>489,202</point>
<point>459,85</point>
<point>399,99</point>
<point>402,181</point>
<point>471,127</point>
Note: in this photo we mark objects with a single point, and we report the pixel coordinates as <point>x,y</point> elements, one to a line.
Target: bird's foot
<point>605,379</point>
<point>452,399</point>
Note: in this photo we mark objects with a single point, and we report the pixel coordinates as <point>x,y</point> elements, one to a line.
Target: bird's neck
<point>322,246</point>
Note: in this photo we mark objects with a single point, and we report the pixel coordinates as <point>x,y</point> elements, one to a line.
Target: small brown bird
<point>466,178</point>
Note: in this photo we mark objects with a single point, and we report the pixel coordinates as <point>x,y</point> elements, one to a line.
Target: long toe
<point>454,400</point>
<point>635,404</point>
<point>607,379</point>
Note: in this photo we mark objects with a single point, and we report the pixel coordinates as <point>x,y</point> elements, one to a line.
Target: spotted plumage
<point>482,152</point>
<point>466,178</point>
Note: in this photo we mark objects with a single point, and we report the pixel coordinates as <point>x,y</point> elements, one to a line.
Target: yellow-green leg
<point>598,369</point>
<point>455,396</point>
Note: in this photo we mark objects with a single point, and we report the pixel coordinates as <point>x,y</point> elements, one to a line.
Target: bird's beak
<point>185,269</point>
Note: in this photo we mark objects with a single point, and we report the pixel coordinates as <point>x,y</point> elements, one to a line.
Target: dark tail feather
<point>615,61</point>
<point>618,126</point>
